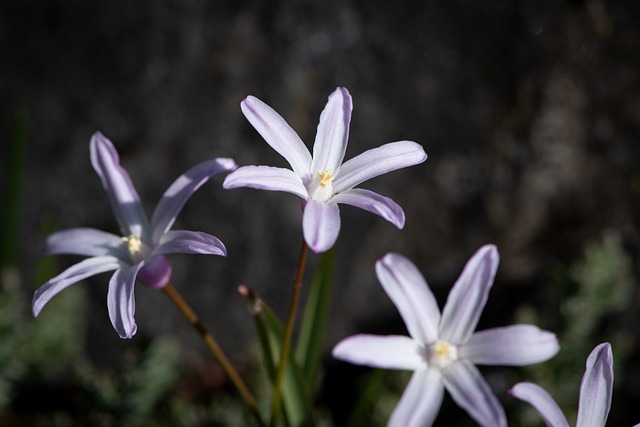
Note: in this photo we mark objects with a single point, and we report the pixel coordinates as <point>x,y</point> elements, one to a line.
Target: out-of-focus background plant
<point>530,114</point>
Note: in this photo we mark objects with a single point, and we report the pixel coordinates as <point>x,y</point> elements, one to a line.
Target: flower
<point>323,180</point>
<point>595,393</point>
<point>140,252</point>
<point>443,348</point>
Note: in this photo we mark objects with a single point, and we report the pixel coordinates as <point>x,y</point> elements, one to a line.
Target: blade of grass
<point>295,392</point>
<point>367,399</point>
<point>311,338</point>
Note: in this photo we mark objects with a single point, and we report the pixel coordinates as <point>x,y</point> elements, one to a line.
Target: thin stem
<point>211,343</point>
<point>288,332</point>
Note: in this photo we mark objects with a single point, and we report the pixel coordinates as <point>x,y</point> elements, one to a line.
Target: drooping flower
<point>595,393</point>
<point>322,180</point>
<point>139,254</point>
<point>443,349</point>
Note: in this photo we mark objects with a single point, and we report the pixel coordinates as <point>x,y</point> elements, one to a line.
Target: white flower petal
<point>87,242</point>
<point>266,178</point>
<point>372,202</point>
<point>421,400</point>
<point>121,300</point>
<point>388,352</point>
<point>333,132</point>
<point>537,397</point>
<point>378,161</point>
<point>515,345</point>
<point>472,393</point>
<point>411,295</point>
<point>179,192</point>
<point>320,225</point>
<point>124,199</point>
<point>468,296</point>
<point>278,134</point>
<point>75,273</point>
<point>189,242</point>
<point>596,388</point>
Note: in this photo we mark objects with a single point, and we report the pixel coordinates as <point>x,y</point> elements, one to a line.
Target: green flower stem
<point>288,333</point>
<point>211,343</point>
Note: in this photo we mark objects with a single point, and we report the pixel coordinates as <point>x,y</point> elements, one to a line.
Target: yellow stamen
<point>326,178</point>
<point>133,243</point>
<point>442,350</point>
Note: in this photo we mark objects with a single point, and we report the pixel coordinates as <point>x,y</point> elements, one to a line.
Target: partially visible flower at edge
<point>443,348</point>
<point>322,180</point>
<point>140,253</point>
<point>595,393</point>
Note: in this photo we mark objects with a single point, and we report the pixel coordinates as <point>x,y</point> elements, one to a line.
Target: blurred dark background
<point>529,112</point>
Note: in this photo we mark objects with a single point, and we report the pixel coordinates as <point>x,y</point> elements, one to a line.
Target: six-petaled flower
<point>443,348</point>
<point>139,253</point>
<point>322,180</point>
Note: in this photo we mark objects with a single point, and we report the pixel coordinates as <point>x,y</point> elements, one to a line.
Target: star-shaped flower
<point>595,393</point>
<point>443,348</point>
<point>139,254</point>
<point>323,180</point>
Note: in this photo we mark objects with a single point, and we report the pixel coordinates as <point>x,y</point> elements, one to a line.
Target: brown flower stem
<point>211,343</point>
<point>288,332</point>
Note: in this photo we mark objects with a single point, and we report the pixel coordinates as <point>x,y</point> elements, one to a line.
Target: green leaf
<point>311,338</point>
<point>294,390</point>
<point>368,397</point>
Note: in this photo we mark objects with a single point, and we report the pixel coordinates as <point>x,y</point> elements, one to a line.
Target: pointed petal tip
<point>129,333</point>
<point>227,163</point>
<point>389,257</point>
<point>98,139</point>
<point>341,91</point>
<point>489,253</point>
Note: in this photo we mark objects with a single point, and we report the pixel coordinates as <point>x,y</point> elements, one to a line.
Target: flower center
<point>326,178</point>
<point>321,187</point>
<point>133,243</point>
<point>137,248</point>
<point>441,354</point>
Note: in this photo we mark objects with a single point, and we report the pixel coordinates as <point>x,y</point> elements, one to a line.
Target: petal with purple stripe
<point>179,192</point>
<point>372,202</point>
<point>124,199</point>
<point>278,134</point>
<point>320,225</point>
<point>77,272</point>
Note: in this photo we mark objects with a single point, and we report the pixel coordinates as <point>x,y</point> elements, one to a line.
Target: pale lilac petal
<point>87,242</point>
<point>266,178</point>
<point>372,202</point>
<point>121,301</point>
<point>468,296</point>
<point>189,242</point>
<point>278,134</point>
<point>421,400</point>
<point>179,192</point>
<point>333,132</point>
<point>116,182</point>
<point>75,273</point>
<point>320,225</point>
<point>411,295</point>
<point>537,397</point>
<point>472,393</point>
<point>596,388</point>
<point>515,345</point>
<point>378,161</point>
<point>387,352</point>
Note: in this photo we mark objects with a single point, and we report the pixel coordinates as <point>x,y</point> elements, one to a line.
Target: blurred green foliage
<point>589,294</point>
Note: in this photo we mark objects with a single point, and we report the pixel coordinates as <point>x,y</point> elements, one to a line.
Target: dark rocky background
<point>529,111</point>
